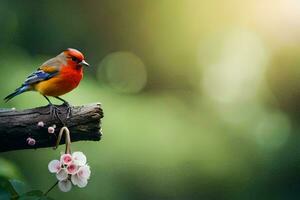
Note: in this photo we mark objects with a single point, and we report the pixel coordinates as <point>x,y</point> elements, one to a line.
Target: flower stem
<point>67,139</point>
<point>46,193</point>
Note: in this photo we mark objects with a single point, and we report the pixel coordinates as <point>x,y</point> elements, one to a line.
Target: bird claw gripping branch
<point>69,110</point>
<point>54,112</point>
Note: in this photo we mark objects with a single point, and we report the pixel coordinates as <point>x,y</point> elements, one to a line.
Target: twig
<point>52,187</point>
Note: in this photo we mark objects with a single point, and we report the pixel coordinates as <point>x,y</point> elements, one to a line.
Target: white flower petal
<point>54,166</point>
<point>84,172</point>
<point>79,158</point>
<point>80,182</point>
<point>65,185</point>
<point>75,179</point>
<point>62,175</point>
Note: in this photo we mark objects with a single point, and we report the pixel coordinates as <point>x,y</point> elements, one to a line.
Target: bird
<point>55,77</point>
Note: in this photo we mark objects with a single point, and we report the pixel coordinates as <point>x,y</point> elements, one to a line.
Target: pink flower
<point>41,124</point>
<point>30,141</point>
<point>81,177</point>
<point>66,159</point>
<point>51,129</point>
<point>84,172</point>
<point>54,166</point>
<point>72,169</point>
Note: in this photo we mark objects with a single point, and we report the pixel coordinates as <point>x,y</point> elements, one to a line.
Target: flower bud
<point>41,124</point>
<point>30,141</point>
<point>51,130</point>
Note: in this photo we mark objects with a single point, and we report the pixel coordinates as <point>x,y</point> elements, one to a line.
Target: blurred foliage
<point>14,189</point>
<point>201,98</point>
<point>8,169</point>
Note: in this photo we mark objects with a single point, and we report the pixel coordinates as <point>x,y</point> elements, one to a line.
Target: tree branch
<point>17,126</point>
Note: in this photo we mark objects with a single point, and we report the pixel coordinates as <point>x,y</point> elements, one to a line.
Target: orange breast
<point>67,80</point>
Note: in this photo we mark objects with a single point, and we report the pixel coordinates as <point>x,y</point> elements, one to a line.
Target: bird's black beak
<point>84,63</point>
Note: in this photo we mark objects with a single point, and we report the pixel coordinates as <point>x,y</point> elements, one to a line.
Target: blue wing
<point>45,72</point>
<point>38,76</point>
<point>35,77</point>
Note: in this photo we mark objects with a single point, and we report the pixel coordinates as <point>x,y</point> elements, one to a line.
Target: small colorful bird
<point>55,77</point>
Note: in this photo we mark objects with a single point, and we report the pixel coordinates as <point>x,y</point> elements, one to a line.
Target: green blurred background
<point>201,97</point>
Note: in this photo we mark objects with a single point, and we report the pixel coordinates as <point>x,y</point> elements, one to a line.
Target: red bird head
<point>74,58</point>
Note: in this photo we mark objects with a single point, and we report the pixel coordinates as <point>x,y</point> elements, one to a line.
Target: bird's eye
<point>75,59</point>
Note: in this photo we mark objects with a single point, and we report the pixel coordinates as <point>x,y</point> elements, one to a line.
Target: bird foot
<point>54,112</point>
<point>69,109</point>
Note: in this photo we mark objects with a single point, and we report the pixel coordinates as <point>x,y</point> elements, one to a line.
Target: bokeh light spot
<point>236,73</point>
<point>123,71</point>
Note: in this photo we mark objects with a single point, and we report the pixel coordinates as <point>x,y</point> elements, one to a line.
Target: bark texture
<point>18,125</point>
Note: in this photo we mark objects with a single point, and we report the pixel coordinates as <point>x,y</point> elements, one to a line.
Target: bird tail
<point>18,91</point>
